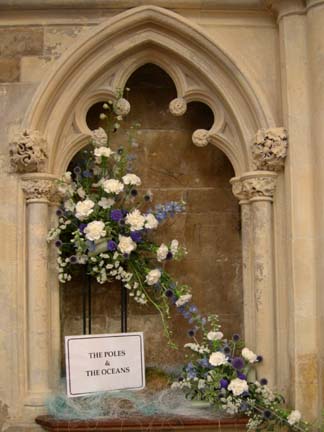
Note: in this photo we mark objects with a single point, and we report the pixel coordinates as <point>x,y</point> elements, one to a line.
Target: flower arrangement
<point>104,225</point>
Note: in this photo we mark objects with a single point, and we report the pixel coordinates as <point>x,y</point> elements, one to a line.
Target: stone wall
<point>174,169</point>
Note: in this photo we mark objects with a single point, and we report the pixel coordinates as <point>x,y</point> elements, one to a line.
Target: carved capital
<point>39,187</point>
<point>254,185</point>
<point>27,152</point>
<point>269,149</point>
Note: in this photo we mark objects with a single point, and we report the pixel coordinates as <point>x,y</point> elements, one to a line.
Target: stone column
<point>37,188</point>
<point>257,189</point>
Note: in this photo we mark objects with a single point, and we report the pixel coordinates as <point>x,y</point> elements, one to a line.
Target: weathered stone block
<point>19,41</point>
<point>9,69</point>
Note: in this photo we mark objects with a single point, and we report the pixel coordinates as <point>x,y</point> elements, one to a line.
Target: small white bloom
<point>201,384</point>
<point>185,298</point>
<point>84,209</point>
<point>217,358</point>
<point>67,177</point>
<point>174,247</point>
<point>294,417</point>
<point>95,230</point>
<point>103,151</point>
<point>135,219</point>
<point>238,386</point>
<point>99,137</point>
<point>153,277</point>
<point>192,346</point>
<point>106,202</point>
<point>69,205</point>
<point>126,244</point>
<point>214,335</point>
<point>151,222</point>
<point>81,192</point>
<point>122,107</point>
<point>162,252</point>
<point>112,186</point>
<point>249,355</point>
<point>131,179</point>
<point>176,385</point>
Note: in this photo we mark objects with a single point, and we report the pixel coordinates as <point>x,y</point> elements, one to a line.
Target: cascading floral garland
<point>103,225</point>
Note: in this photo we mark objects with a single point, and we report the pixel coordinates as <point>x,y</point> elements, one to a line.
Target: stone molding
<point>256,185</point>
<point>120,4</point>
<point>39,187</point>
<point>269,149</point>
<point>27,152</point>
<point>178,107</point>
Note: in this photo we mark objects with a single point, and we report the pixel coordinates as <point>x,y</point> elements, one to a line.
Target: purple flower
<point>223,383</point>
<point>134,192</point>
<point>236,337</point>
<point>193,309</point>
<point>73,259</point>
<point>81,227</point>
<point>238,363</point>
<point>203,362</point>
<point>169,255</point>
<point>111,245</point>
<point>186,315</point>
<point>77,170</point>
<point>91,245</point>
<point>58,243</point>
<point>263,381</point>
<point>241,376</point>
<point>116,215</point>
<point>169,293</point>
<point>267,414</point>
<point>87,174</point>
<point>259,358</point>
<point>126,255</point>
<point>59,212</point>
<point>136,236</point>
<point>191,332</point>
<point>226,349</point>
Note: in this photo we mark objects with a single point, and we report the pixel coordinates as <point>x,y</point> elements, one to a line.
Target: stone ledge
<point>169,423</point>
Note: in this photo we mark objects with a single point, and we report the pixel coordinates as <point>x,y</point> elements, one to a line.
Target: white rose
<point>95,230</point>
<point>150,221</point>
<point>214,335</point>
<point>217,358</point>
<point>162,252</point>
<point>112,186</point>
<point>126,244</point>
<point>84,208</point>
<point>131,179</point>
<point>69,205</point>
<point>103,151</point>
<point>106,202</point>
<point>136,220</point>
<point>185,298</point>
<point>122,107</point>
<point>174,247</point>
<point>249,355</point>
<point>153,277</point>
<point>99,137</point>
<point>238,386</point>
<point>294,417</point>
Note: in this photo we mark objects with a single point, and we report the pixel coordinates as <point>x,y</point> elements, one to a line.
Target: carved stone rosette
<point>38,187</point>
<point>269,149</point>
<point>27,152</point>
<point>200,137</point>
<point>178,107</point>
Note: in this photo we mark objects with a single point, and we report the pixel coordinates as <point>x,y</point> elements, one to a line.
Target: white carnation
<point>217,358</point>
<point>249,355</point>
<point>112,186</point>
<point>162,252</point>
<point>103,151</point>
<point>126,244</point>
<point>95,230</point>
<point>238,386</point>
<point>84,208</point>
<point>106,202</point>
<point>294,417</point>
<point>99,137</point>
<point>122,107</point>
<point>153,277</point>
<point>214,335</point>
<point>136,220</point>
<point>185,298</point>
<point>131,179</point>
<point>150,221</point>
<point>174,247</point>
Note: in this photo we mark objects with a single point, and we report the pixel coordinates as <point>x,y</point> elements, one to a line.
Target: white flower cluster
<point>163,250</point>
<point>217,358</point>
<point>83,209</point>
<point>183,299</point>
<point>249,355</point>
<point>238,386</point>
<point>101,152</point>
<point>212,335</point>
<point>153,277</point>
<point>230,405</point>
<point>99,137</point>
<point>55,232</point>
<point>197,348</point>
<point>137,221</point>
<point>66,186</point>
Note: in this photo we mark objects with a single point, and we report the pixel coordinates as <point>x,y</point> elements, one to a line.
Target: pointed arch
<point>106,56</point>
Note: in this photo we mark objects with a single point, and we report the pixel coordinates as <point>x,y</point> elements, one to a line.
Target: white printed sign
<point>104,362</point>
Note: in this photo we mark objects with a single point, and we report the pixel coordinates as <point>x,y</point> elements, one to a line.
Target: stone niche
<point>173,169</point>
